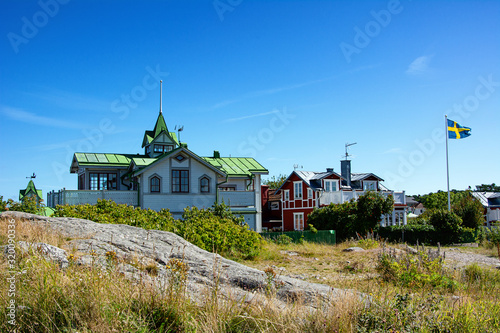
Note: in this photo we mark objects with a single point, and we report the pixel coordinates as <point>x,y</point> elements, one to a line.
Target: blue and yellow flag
<point>455,131</point>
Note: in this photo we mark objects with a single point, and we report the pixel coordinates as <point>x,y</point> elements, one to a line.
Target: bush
<point>470,210</point>
<point>447,224</point>
<point>215,229</point>
<point>352,217</point>
<point>26,205</point>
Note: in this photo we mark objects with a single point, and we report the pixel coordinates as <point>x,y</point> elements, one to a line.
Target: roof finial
<point>160,94</point>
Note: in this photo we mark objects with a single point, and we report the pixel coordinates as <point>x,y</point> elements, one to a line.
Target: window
<point>154,184</point>
<point>286,195</point>
<point>81,181</point>
<point>204,185</point>
<point>297,190</point>
<point>298,221</point>
<point>180,158</point>
<point>309,193</point>
<point>163,148</point>
<point>180,181</point>
<point>102,181</point>
<point>148,150</point>
<point>369,185</point>
<point>331,186</point>
<point>227,188</point>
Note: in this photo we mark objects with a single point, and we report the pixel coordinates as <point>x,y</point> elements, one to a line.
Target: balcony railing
<point>77,197</point>
<point>339,197</point>
<point>237,198</point>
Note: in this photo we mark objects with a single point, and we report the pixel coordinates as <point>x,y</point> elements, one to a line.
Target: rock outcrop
<point>91,241</point>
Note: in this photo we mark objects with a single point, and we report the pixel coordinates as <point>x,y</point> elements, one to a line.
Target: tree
<point>488,188</point>
<point>275,182</point>
<point>470,211</point>
<point>447,224</point>
<point>352,217</point>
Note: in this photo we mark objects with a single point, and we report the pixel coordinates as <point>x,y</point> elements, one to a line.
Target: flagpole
<point>447,167</point>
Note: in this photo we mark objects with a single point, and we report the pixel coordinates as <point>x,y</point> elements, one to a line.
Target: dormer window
<point>163,148</point>
<point>369,185</point>
<point>331,186</point>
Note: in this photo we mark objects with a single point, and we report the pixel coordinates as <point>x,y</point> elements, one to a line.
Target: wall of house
<point>304,205</point>
<point>176,202</point>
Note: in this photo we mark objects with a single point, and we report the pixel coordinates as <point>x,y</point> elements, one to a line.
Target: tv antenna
<point>33,176</point>
<point>296,166</point>
<point>179,129</point>
<point>347,145</point>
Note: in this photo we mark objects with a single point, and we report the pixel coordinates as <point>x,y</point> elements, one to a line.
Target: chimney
<point>329,169</point>
<point>345,172</point>
<point>216,154</point>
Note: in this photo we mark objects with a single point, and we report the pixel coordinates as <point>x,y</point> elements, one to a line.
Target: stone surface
<point>135,246</point>
<point>353,249</point>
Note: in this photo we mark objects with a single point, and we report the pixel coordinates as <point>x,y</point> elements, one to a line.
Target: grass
<point>88,299</point>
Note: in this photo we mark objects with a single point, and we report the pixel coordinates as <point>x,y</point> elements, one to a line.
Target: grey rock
<point>49,252</point>
<point>410,249</point>
<point>353,249</point>
<point>135,246</point>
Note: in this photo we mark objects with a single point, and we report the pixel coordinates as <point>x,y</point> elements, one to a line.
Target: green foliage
<point>470,211</point>
<point>415,270</point>
<point>275,182</point>
<point>439,200</point>
<point>493,235</point>
<point>27,205</point>
<point>447,224</point>
<point>488,188</point>
<point>214,229</point>
<point>217,234</point>
<point>108,211</point>
<point>352,217</point>
<point>283,240</point>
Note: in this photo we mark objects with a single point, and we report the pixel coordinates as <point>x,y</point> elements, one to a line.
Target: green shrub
<point>415,270</point>
<point>470,210</point>
<point>447,224</point>
<point>352,217</point>
<point>283,240</point>
<point>26,205</point>
<point>214,229</point>
<point>493,235</point>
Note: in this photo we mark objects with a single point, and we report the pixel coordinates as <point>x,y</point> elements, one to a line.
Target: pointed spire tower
<point>159,140</point>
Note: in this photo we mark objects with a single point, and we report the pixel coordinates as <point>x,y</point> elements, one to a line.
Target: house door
<point>298,221</point>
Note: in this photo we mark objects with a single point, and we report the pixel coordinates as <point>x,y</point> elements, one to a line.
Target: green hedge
<point>321,236</point>
<point>423,234</point>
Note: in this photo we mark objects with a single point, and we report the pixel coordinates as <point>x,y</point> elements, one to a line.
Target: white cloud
<point>419,65</point>
<point>32,118</point>
<point>253,116</point>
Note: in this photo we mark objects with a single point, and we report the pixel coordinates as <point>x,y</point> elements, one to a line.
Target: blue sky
<point>286,82</point>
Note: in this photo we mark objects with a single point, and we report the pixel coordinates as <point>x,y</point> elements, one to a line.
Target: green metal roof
<point>30,189</point>
<point>237,166</point>
<point>160,127</point>
<point>143,161</point>
<point>105,159</point>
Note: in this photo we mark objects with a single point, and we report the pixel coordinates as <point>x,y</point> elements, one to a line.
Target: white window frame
<point>297,186</point>
<point>286,195</point>
<point>369,185</point>
<point>309,193</point>
<point>298,221</point>
<point>328,185</point>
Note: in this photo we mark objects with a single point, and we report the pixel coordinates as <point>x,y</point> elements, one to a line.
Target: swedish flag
<point>455,131</point>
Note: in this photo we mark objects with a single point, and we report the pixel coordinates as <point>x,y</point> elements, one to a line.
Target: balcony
<point>339,197</point>
<point>237,198</point>
<point>78,197</point>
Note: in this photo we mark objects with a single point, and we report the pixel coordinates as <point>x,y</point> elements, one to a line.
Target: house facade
<point>271,209</point>
<point>167,175</point>
<point>303,191</point>
<point>491,204</point>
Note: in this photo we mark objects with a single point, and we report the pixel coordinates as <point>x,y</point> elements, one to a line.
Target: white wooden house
<point>167,175</point>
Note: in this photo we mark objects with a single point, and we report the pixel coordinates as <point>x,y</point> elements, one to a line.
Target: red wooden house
<point>303,191</point>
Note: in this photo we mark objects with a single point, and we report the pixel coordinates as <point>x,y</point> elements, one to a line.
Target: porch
<point>339,197</point>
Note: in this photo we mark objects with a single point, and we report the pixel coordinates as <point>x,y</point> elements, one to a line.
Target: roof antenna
<point>296,166</point>
<point>160,94</point>
<point>347,145</point>
<point>179,129</point>
<point>33,176</point>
